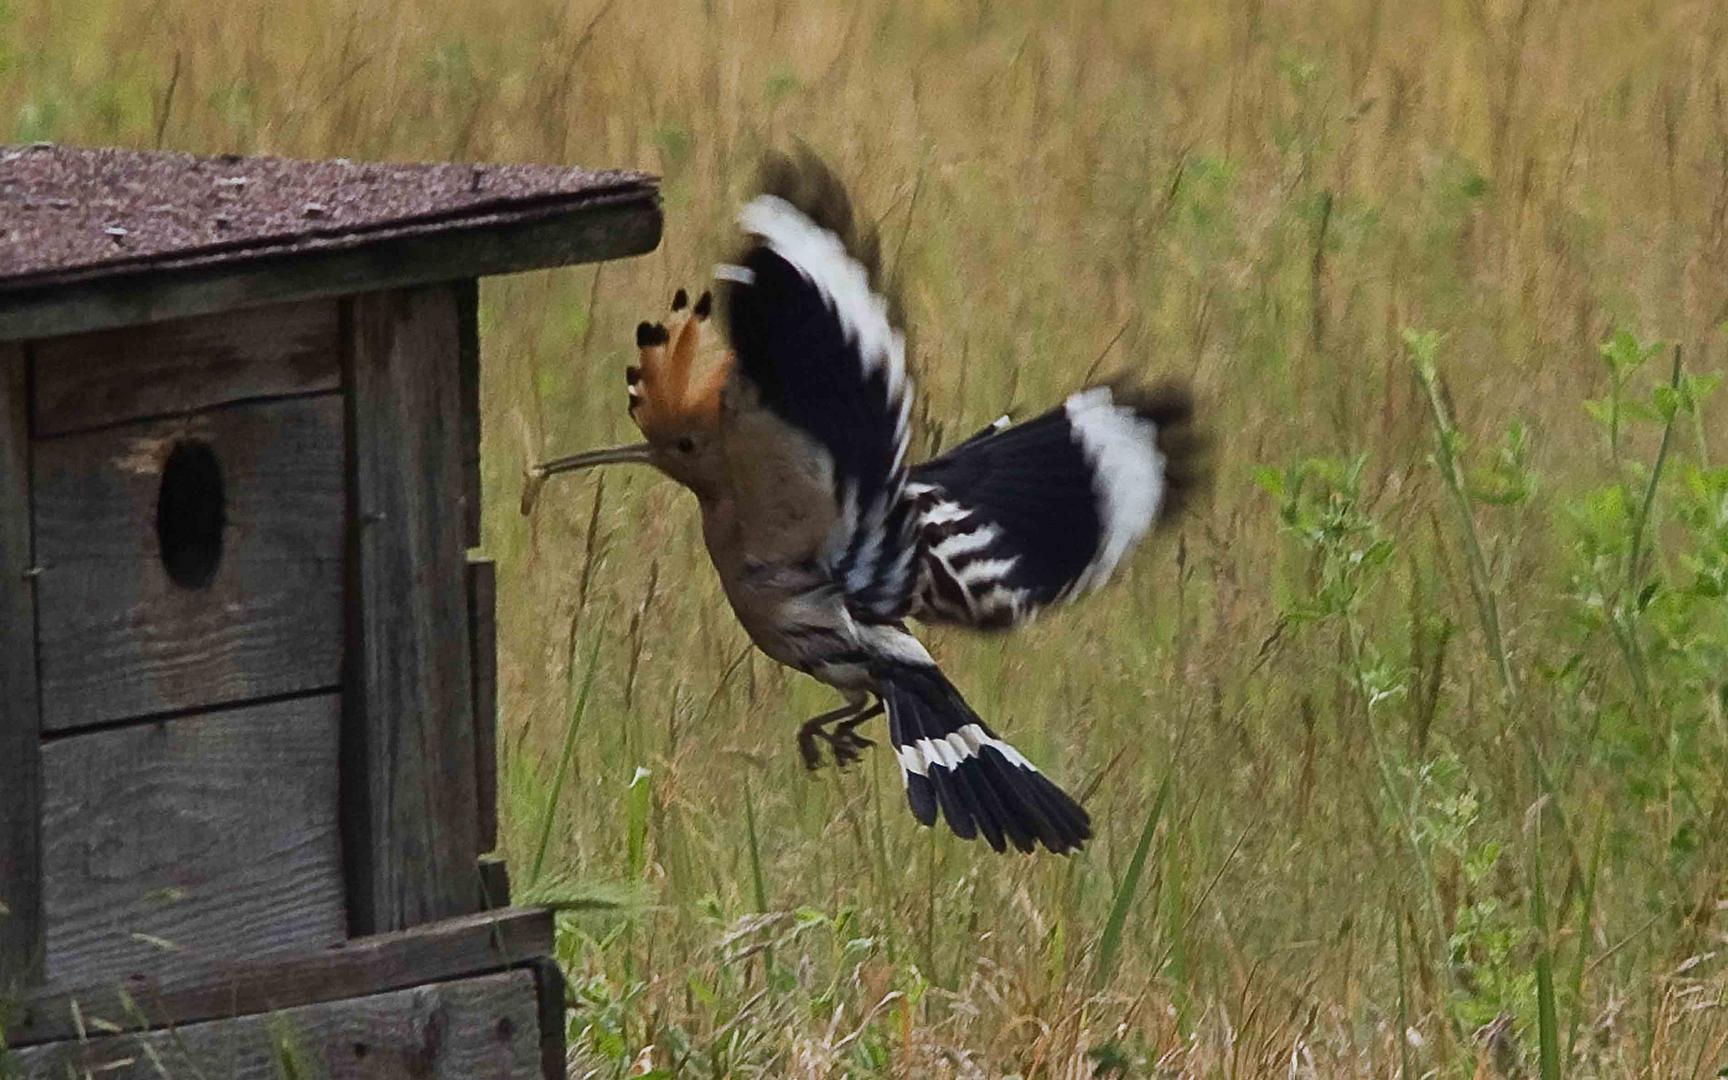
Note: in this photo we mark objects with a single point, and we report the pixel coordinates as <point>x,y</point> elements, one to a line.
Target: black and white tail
<point>1023,516</point>
<point>952,761</point>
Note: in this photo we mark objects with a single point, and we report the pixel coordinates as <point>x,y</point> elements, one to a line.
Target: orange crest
<point>663,397</point>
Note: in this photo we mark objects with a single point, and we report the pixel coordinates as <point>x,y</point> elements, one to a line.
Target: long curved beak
<point>536,475</point>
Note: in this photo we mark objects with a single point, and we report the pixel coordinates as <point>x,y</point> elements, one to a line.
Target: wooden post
<point>20,716</point>
<point>549,984</point>
<point>468,352</point>
<point>410,808</point>
<point>483,645</point>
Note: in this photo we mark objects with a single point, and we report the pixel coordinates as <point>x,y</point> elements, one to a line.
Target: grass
<point>566,755</point>
<point>1429,267</point>
<point>1110,940</point>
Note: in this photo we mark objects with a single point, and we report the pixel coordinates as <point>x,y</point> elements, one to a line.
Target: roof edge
<point>558,232</point>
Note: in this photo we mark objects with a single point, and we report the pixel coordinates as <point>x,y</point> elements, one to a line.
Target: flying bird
<point>826,539</point>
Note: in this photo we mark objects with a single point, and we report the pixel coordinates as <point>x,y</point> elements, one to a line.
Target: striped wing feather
<point>820,348</point>
<point>1021,517</point>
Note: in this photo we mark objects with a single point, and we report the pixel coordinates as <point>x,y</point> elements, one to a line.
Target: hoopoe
<point>826,540</point>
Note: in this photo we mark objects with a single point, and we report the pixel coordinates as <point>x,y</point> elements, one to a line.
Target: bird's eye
<point>686,444</point>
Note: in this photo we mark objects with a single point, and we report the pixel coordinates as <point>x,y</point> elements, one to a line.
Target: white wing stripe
<point>1127,476</point>
<point>986,570</point>
<point>963,744</point>
<point>822,258</point>
<point>944,512</point>
<point>967,542</point>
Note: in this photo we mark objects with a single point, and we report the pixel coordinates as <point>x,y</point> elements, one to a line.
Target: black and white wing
<point>821,351</point>
<point>1020,517</point>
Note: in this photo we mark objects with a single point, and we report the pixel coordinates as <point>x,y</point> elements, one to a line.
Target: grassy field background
<point>1406,750</point>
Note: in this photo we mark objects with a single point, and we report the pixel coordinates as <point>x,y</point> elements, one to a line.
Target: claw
<point>807,750</point>
<point>842,738</point>
<point>848,745</point>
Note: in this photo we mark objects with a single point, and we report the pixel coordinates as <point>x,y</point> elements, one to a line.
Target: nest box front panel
<point>189,508</point>
<point>189,514</point>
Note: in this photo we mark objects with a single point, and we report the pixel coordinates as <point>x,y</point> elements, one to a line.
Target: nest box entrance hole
<point>191,511</point>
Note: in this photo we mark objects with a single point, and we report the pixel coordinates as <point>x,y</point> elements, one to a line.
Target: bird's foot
<point>839,730</point>
<point>847,744</point>
<point>807,736</point>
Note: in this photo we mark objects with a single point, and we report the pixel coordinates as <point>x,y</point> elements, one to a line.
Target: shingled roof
<point>93,237</point>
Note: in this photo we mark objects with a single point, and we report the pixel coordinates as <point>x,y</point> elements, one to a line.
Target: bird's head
<point>676,408</point>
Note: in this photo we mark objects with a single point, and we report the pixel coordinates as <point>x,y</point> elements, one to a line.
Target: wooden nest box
<point>246,665</point>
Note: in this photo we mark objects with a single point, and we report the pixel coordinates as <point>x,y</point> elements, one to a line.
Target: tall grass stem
<point>565,756</point>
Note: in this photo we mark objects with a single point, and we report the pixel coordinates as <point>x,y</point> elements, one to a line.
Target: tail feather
<point>953,763</point>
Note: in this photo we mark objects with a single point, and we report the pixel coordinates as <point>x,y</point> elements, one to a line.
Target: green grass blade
<point>757,882</point>
<point>1174,902</point>
<point>1548,1027</point>
<point>1424,348</point>
<point>564,757</point>
<point>1406,1070</point>
<point>1586,917</point>
<point>1646,505</point>
<point>1110,942</point>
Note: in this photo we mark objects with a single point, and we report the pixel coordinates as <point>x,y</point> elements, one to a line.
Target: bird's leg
<point>847,743</point>
<point>812,730</point>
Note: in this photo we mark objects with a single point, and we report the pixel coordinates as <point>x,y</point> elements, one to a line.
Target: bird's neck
<point>722,534</point>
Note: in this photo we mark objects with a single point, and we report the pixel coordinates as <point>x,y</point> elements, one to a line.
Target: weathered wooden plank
<point>483,650</point>
<point>448,949</point>
<point>468,355</point>
<point>559,237</point>
<point>549,977</point>
<point>20,764</point>
<point>412,812</point>
<point>475,1029</point>
<point>90,380</point>
<point>118,637</point>
<point>170,846</point>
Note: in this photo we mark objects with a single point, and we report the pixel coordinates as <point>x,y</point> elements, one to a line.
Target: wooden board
<point>483,655</point>
<point>555,237</point>
<point>448,949</point>
<point>168,846</point>
<point>20,766</point>
<point>487,1028</point>
<point>411,810</point>
<point>118,638</point>
<point>92,380</point>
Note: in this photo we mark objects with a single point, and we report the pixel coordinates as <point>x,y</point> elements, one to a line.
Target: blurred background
<point>1405,751</point>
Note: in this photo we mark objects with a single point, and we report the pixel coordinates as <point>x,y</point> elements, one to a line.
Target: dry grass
<point>1371,772</point>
